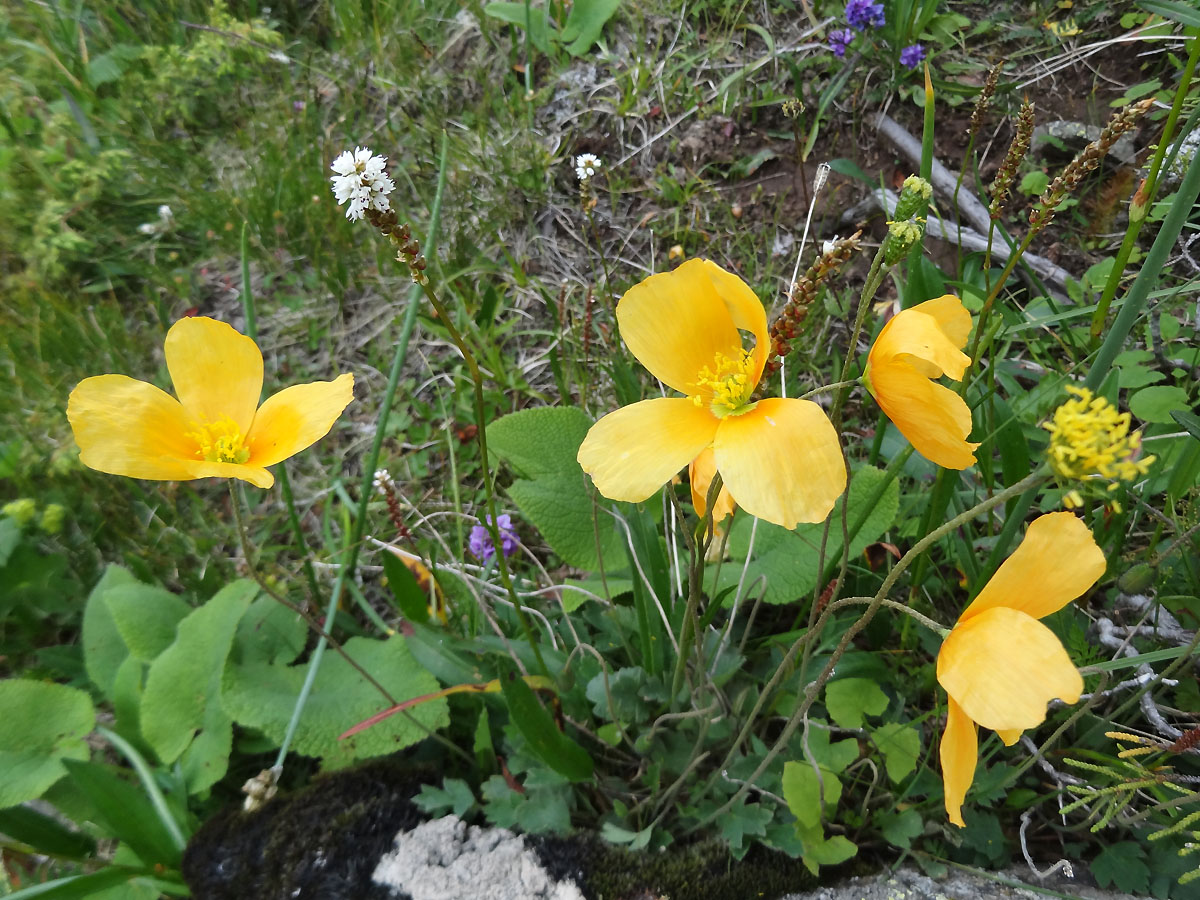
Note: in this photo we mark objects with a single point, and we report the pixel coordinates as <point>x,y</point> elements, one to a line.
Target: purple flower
<point>839,40</point>
<point>912,56</point>
<point>862,14</point>
<point>480,543</point>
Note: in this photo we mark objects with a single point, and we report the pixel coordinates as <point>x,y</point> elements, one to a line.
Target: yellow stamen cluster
<point>1089,438</point>
<point>220,441</point>
<point>728,385</point>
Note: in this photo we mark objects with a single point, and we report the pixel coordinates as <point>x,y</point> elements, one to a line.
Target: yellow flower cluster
<point>1089,438</point>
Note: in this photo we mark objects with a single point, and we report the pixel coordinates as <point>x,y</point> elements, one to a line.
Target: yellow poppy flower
<point>999,664</point>
<point>216,429</point>
<point>701,472</point>
<point>779,458</point>
<point>914,347</point>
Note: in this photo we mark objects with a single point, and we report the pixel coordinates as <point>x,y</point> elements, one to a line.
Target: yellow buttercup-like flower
<point>999,664</point>
<point>216,429</point>
<point>918,345</point>
<point>779,459</point>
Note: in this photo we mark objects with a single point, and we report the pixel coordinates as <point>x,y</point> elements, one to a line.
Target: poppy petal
<point>700,476</point>
<point>1003,666</point>
<point>1010,735</point>
<point>935,420</point>
<point>128,427</point>
<point>745,309</point>
<point>632,452</point>
<point>916,337</point>
<point>256,475</point>
<point>959,753</point>
<point>676,323</point>
<point>296,418</point>
<point>781,461</point>
<point>217,371</point>
<point>1057,561</point>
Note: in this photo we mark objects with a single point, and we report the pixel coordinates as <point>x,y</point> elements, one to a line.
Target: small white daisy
<point>362,181</point>
<point>383,481</point>
<point>586,165</point>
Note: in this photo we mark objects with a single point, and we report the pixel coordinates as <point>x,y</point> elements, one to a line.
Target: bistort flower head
<point>912,56</point>
<point>362,181</point>
<point>916,346</point>
<point>778,458</point>
<point>1089,439</point>
<point>216,429</point>
<point>586,166</point>
<point>480,542</point>
<point>839,40</point>
<point>862,14</point>
<point>999,665</point>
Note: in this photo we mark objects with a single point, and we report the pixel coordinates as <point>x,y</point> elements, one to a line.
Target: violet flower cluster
<point>862,14</point>
<point>480,542</point>
<point>911,57</point>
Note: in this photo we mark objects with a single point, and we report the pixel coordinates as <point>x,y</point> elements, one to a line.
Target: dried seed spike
<point>1002,183</point>
<point>803,293</point>
<point>1086,162</point>
<point>984,100</point>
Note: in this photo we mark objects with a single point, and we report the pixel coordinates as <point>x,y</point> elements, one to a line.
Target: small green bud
<point>1136,580</point>
<point>53,517</point>
<point>914,198</point>
<point>902,236</point>
<point>20,511</point>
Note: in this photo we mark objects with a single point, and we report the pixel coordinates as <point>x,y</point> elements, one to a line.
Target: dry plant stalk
<point>1002,184</point>
<point>795,310</point>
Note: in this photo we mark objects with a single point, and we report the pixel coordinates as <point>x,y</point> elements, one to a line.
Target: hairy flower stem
<point>813,689</point>
<point>490,521</point>
<point>699,549</point>
<point>359,523</point>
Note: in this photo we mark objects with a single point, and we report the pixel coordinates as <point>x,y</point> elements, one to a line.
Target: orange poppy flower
<point>918,345</point>
<point>779,458</point>
<point>216,429</point>
<point>999,664</point>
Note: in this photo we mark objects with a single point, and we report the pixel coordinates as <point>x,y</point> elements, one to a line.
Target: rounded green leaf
<point>44,723</point>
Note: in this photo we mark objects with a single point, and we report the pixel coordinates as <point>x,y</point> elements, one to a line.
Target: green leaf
<point>10,536</point>
<point>802,791</point>
<point>44,724</point>
<point>44,834</point>
<point>1122,864</point>
<point>585,22</point>
<point>545,812</point>
<point>900,827</point>
<point>261,695</point>
<point>832,755</point>
<point>744,819</point>
<point>454,796</point>
<point>183,686</point>
<point>125,812</point>
<point>103,647</point>
<point>537,726</point>
<point>901,748</point>
<point>520,14</point>
<point>788,559</point>
<point>1184,13</point>
<point>1188,421</point>
<point>1034,183</point>
<point>551,491</point>
<point>403,585</point>
<point>75,887</point>
<point>821,851</point>
<point>500,802</point>
<point>628,704</point>
<point>269,632</point>
<point>849,699</point>
<point>1155,404</point>
<point>145,616</point>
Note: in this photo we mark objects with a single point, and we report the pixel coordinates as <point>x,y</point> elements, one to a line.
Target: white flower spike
<point>362,181</point>
<point>586,165</point>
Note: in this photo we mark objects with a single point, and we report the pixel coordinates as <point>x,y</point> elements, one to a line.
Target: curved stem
<point>813,689</point>
<point>490,521</point>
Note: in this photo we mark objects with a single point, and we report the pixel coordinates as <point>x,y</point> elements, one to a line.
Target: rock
<point>1076,135</point>
<point>445,859</point>
<point>909,884</point>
